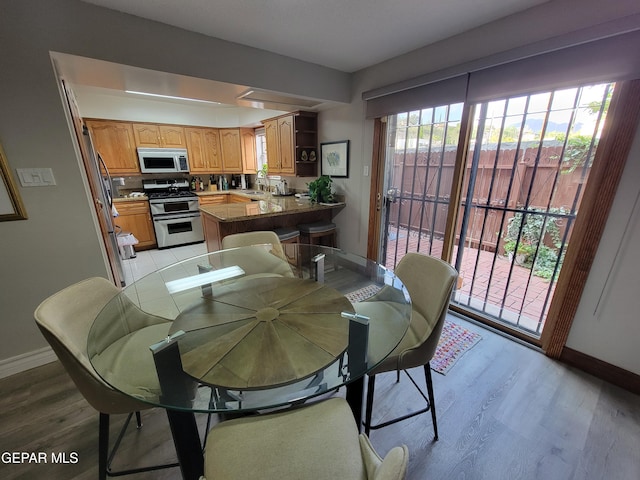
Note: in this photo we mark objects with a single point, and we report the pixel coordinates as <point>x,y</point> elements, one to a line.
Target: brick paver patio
<point>520,304</point>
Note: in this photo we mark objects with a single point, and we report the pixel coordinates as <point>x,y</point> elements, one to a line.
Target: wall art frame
<point>11,206</point>
<point>335,158</point>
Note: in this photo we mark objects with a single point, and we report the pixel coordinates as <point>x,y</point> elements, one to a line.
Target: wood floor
<point>505,412</point>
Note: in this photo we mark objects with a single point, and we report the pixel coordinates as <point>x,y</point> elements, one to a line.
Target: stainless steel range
<point>174,211</point>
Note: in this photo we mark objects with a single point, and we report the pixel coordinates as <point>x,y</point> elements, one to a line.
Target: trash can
<point>126,241</point>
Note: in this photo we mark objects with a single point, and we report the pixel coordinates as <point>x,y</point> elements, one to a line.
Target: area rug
<point>455,340</point>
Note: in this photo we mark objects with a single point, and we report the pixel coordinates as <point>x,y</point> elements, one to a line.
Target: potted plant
<point>263,173</point>
<point>320,190</point>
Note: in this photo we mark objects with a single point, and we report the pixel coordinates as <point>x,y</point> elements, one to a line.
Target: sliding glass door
<point>523,170</point>
<point>420,161</point>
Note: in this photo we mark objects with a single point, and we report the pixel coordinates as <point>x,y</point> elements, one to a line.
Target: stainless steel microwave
<point>163,160</point>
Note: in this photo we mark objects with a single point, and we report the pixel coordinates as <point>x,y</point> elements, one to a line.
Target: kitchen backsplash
<point>123,186</point>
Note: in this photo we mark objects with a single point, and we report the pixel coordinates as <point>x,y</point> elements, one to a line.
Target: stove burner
<point>171,194</point>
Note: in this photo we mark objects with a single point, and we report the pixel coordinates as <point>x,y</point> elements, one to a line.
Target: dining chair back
<point>65,319</point>
<point>259,237</point>
<point>258,261</point>
<point>429,282</point>
<point>318,440</point>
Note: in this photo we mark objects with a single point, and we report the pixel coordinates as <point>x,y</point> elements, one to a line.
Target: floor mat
<point>455,340</point>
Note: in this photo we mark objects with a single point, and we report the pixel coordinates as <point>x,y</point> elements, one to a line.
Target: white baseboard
<point>26,361</point>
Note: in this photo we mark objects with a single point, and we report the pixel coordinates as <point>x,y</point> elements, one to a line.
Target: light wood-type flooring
<point>505,412</point>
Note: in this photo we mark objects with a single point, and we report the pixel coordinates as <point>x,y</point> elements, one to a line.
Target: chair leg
<point>371,386</point>
<point>105,457</point>
<point>429,400</point>
<point>138,420</point>
<point>103,445</point>
<point>432,402</point>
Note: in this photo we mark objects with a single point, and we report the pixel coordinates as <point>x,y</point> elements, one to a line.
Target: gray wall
<point>59,245</point>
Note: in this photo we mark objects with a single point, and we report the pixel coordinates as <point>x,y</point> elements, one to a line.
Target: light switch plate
<point>36,177</point>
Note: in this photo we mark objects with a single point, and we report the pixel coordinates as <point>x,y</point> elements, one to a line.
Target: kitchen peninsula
<point>264,214</point>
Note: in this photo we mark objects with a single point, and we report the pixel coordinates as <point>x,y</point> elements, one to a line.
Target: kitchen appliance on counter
<point>163,160</point>
<point>175,212</point>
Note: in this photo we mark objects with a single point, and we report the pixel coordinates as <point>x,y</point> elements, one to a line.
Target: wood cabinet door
<point>212,149</point>
<point>115,143</point>
<point>219,199</point>
<point>135,217</point>
<point>146,135</point>
<point>273,145</point>
<point>196,150</point>
<point>248,138</point>
<point>286,141</point>
<point>172,136</point>
<point>231,150</point>
<point>238,199</point>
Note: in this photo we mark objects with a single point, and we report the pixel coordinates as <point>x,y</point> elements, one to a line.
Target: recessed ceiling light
<point>171,97</point>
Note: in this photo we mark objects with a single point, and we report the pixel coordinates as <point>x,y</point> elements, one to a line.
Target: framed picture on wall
<point>11,207</point>
<point>335,158</point>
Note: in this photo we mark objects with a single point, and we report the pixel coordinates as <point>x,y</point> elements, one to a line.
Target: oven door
<point>178,229</point>
<point>174,206</point>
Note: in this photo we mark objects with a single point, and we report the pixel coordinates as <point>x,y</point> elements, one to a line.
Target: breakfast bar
<point>265,214</point>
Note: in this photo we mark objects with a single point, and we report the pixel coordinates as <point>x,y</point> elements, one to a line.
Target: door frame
<point>610,159</point>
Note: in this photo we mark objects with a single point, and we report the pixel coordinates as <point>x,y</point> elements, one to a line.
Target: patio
<point>520,302</point>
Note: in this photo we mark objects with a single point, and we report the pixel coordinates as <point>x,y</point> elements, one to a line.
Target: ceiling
<point>344,35</point>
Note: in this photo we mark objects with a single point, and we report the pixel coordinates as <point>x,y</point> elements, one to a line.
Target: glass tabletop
<point>249,328</point>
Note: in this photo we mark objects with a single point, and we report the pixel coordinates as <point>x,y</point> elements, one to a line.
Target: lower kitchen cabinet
<point>135,217</point>
<point>219,199</point>
<point>238,199</point>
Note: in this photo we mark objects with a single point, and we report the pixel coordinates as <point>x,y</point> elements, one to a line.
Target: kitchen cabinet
<point>248,143</point>
<point>154,135</point>
<point>115,143</point>
<point>273,145</point>
<point>292,144</point>
<point>203,150</point>
<point>135,217</point>
<point>219,199</point>
<point>238,199</point>
<point>231,148</point>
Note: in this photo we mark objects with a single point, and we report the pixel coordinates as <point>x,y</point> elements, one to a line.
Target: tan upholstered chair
<point>317,441</point>
<point>429,281</point>
<point>258,261</point>
<point>65,320</point>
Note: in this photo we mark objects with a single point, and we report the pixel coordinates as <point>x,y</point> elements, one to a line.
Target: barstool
<point>288,234</point>
<point>318,230</point>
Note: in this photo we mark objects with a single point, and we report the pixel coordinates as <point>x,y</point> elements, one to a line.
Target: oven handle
<point>174,216</point>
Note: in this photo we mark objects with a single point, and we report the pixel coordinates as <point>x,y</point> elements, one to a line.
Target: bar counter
<point>268,214</point>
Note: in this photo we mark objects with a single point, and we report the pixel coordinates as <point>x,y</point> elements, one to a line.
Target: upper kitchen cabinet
<point>231,148</point>
<point>115,143</point>
<point>249,161</point>
<point>153,136</point>
<point>292,144</point>
<point>203,149</point>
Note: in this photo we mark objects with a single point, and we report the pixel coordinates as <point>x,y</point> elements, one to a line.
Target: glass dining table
<point>246,330</point>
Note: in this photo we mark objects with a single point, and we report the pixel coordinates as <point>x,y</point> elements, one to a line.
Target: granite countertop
<point>253,194</point>
<point>208,193</point>
<point>140,198</point>
<point>274,206</point>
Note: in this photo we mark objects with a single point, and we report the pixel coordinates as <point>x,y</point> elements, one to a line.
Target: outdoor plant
<point>320,190</point>
<point>525,239</point>
<point>579,149</point>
